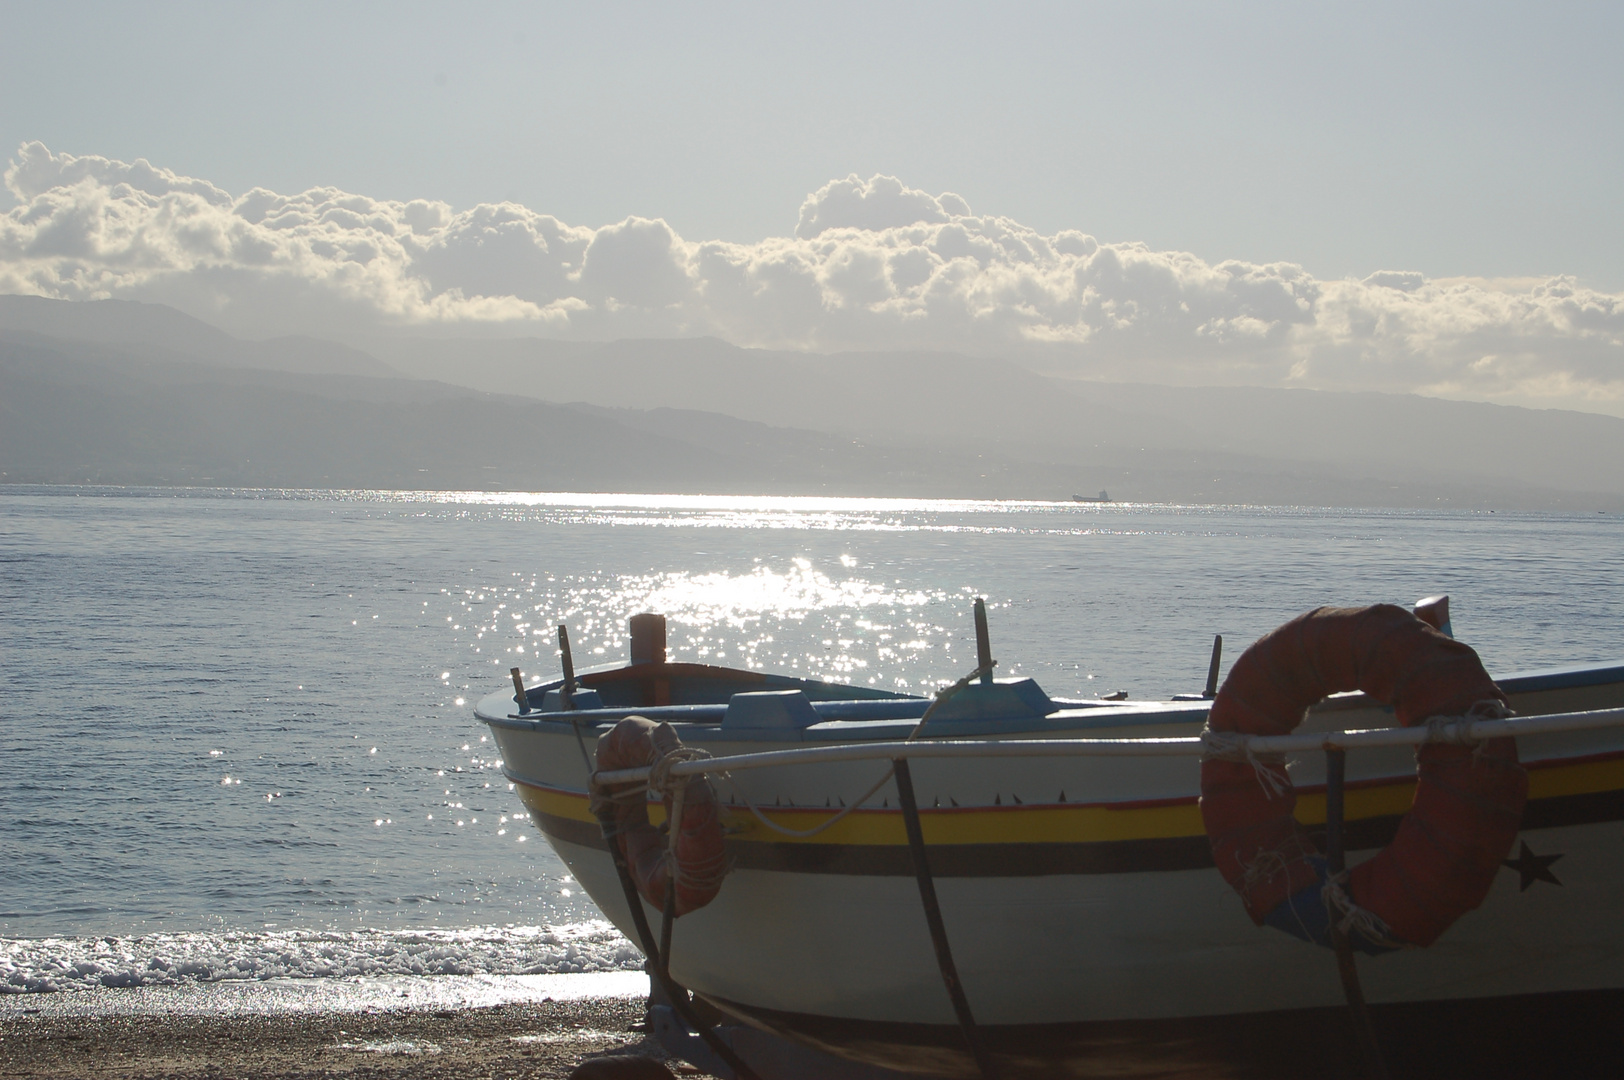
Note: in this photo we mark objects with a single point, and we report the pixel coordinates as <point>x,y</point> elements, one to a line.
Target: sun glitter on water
<point>737,600</point>
<point>792,615</point>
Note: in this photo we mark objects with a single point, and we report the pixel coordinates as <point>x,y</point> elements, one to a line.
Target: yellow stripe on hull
<point>1072,824</point>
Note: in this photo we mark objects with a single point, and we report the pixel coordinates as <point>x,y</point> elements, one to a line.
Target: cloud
<point>878,203</point>
<point>872,264</point>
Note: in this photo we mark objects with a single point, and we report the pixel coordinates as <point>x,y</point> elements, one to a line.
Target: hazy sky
<point>1455,139</point>
<point>1408,198</point>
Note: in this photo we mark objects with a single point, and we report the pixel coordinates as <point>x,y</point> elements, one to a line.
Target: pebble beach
<point>538,1039</point>
<point>414,1028</point>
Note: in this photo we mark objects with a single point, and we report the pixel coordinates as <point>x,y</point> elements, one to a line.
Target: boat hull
<point>1089,926</point>
<point>1568,1035</point>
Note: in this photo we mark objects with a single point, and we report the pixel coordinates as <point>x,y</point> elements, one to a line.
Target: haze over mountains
<point>130,393</point>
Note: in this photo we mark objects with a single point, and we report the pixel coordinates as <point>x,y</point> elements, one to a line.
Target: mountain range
<point>117,392</point>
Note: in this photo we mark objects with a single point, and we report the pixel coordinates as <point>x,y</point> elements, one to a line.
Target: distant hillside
<point>131,393</point>
<point>130,329</point>
<point>1205,444</point>
<point>67,419</point>
<point>64,420</point>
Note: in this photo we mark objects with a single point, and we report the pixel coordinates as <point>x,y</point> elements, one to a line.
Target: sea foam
<point>48,965</point>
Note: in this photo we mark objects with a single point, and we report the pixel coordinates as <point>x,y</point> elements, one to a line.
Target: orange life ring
<point>698,854</point>
<point>1468,799</point>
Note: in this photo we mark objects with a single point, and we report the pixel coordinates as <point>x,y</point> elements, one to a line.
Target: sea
<point>237,726</point>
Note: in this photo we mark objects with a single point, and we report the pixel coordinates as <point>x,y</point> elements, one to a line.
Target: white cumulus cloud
<point>878,203</point>
<point>871,264</point>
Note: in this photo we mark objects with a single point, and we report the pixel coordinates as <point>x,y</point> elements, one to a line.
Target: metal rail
<point>1193,746</point>
<point>1364,1030</point>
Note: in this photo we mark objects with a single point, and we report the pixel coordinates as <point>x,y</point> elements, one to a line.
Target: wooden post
<point>983,642</point>
<point>648,638</point>
<point>569,664</point>
<point>1212,669</point>
<point>518,691</point>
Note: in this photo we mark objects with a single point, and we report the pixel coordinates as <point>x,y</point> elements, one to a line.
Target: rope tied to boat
<point>782,830</point>
<point>948,691</point>
<point>1469,793</point>
<point>660,781</point>
<point>1269,768</point>
<point>703,874</point>
<point>1455,730</point>
<point>1270,863</point>
<point>686,850</point>
<point>1352,919</point>
<point>659,777</point>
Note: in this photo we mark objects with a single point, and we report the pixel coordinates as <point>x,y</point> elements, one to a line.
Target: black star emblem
<point>1533,867</point>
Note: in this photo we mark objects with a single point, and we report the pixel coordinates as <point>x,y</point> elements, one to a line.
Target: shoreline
<point>546,1038</point>
<point>325,996</point>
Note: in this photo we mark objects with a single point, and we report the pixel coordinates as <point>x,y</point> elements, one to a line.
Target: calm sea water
<point>237,725</point>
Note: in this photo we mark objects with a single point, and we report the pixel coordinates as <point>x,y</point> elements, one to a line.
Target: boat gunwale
<point>1455,731</point>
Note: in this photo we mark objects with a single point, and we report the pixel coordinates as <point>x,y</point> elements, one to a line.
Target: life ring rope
<point>1468,802</point>
<point>689,858</point>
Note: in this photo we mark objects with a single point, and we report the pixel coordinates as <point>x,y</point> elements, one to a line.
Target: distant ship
<point>1101,497</point>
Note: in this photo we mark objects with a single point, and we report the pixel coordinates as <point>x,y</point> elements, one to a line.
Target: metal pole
<point>933,919</point>
<point>1336,763</point>
<point>1170,747</point>
<point>668,919</point>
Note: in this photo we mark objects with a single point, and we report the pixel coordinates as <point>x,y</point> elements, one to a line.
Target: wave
<point>53,964</point>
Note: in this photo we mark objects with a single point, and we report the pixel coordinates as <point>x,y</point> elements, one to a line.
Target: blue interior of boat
<point>1000,699</point>
<point>663,684</point>
<point>1562,678</point>
<point>771,714</point>
<point>750,706</point>
<point>755,706</point>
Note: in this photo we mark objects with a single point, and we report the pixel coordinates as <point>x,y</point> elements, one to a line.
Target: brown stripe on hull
<point>1571,1035</point>
<point>1039,859</point>
<point>1031,859</point>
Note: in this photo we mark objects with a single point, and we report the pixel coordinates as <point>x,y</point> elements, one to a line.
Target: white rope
<point>1272,862</point>
<point>1350,918</point>
<point>673,825</point>
<point>697,876</point>
<point>1225,745</point>
<point>803,833</point>
<point>942,696</point>
<point>660,778</point>
<point>1269,864</point>
<point>1462,730</point>
<point>1233,746</point>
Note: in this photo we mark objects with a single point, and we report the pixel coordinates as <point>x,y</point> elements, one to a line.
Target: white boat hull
<point>1081,903</point>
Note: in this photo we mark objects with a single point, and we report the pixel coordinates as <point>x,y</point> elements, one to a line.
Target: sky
<point>1384,196</point>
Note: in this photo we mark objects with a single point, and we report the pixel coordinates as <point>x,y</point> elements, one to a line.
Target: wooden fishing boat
<point>1074,879</point>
